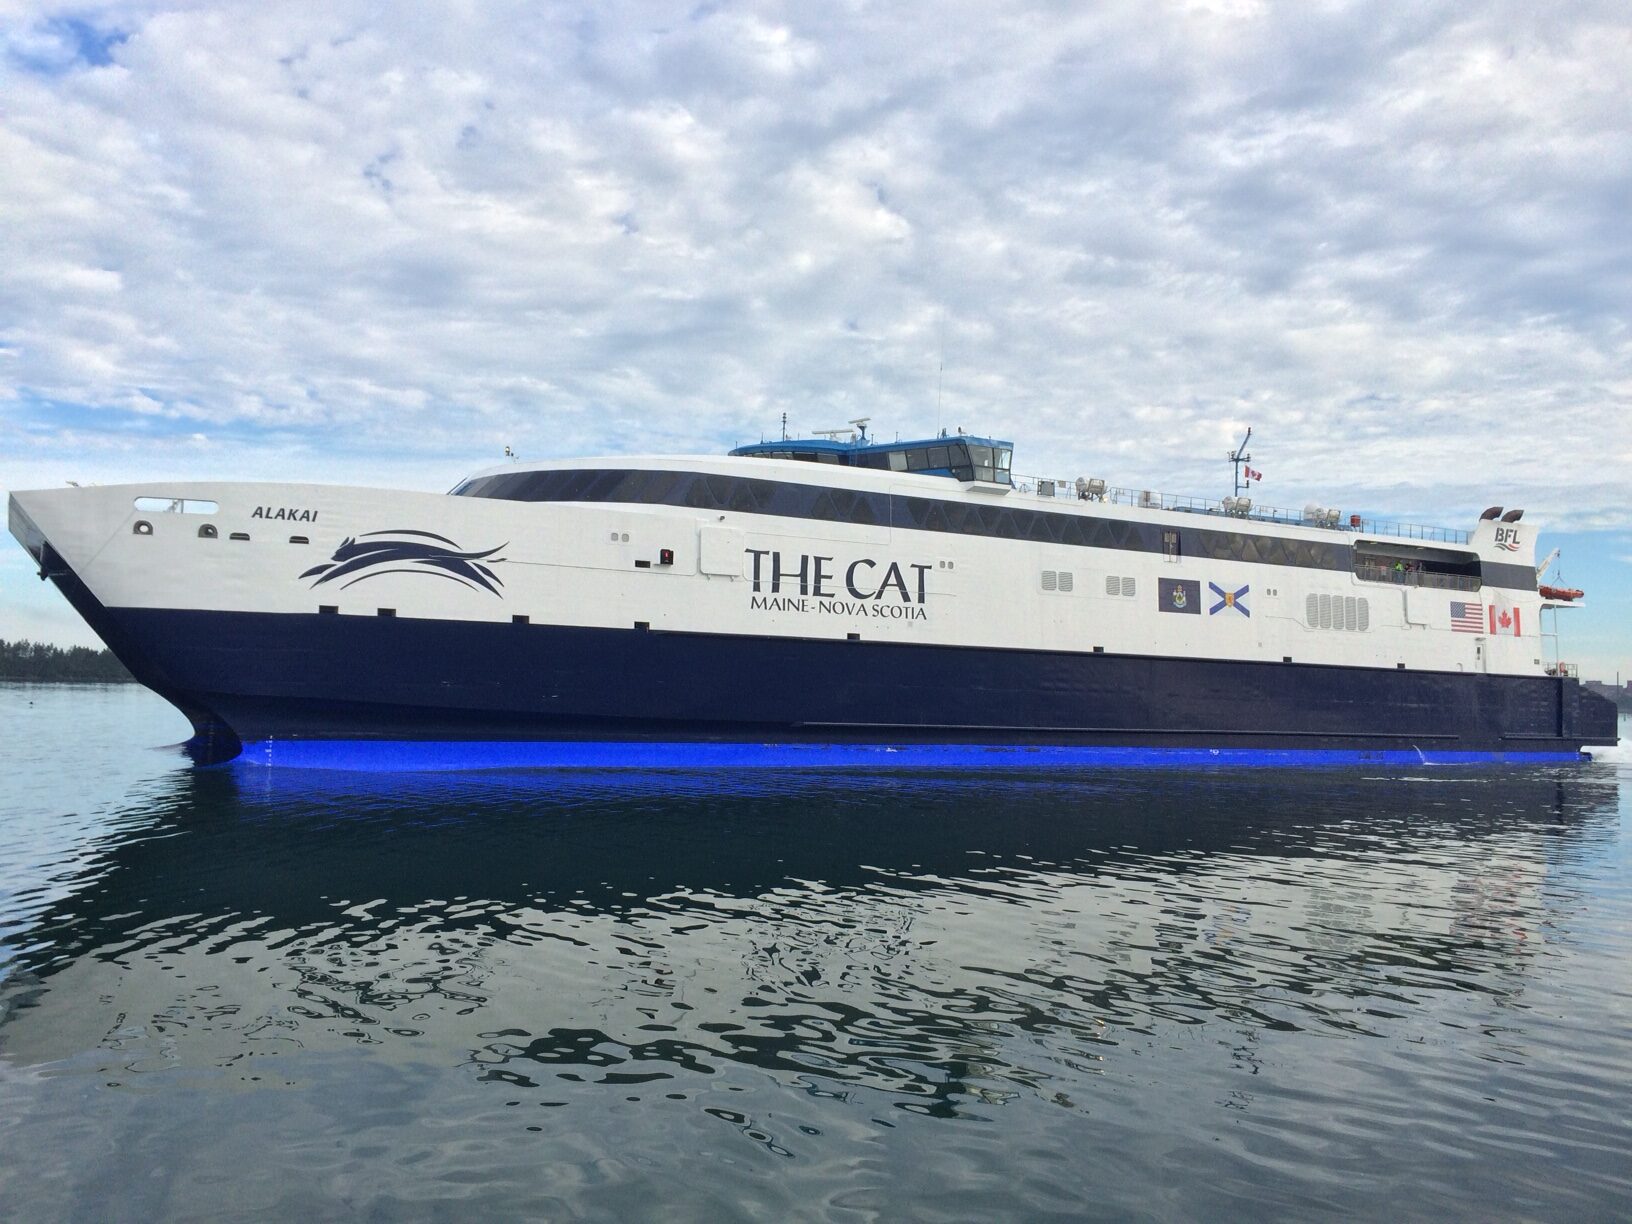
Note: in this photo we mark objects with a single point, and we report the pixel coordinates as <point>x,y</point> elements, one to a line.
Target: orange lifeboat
<point>1565,593</point>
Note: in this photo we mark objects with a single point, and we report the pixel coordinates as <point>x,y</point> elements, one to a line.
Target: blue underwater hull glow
<point>440,755</point>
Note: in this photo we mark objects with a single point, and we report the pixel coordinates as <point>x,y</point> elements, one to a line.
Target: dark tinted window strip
<point>1511,577</point>
<point>710,491</point>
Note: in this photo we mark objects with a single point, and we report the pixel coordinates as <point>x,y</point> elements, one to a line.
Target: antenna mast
<point>1239,456</point>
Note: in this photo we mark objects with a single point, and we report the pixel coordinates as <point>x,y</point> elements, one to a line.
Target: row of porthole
<point>1345,612</point>
<point>208,532</point>
<point>1065,580</point>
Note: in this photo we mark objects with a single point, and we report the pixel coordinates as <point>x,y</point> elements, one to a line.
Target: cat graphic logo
<point>390,552</point>
<point>1507,539</point>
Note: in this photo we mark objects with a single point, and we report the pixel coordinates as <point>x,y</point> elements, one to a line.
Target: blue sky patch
<point>63,44</point>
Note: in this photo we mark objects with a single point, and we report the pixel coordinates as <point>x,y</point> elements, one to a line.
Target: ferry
<point>831,600</point>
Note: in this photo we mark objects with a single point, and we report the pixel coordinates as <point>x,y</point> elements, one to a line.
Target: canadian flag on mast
<point>1252,475</point>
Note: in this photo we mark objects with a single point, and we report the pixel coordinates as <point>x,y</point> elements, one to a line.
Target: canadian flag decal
<point>1504,621</point>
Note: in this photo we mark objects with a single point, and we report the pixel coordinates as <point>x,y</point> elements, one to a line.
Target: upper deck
<point>963,457</point>
<point>958,456</point>
<point>1237,508</point>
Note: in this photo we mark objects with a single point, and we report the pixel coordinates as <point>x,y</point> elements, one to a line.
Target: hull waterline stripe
<point>436,756</point>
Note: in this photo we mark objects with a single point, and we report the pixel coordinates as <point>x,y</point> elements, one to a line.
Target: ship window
<point>938,457</point>
<point>299,540</point>
<point>1003,456</point>
<point>917,459</point>
<point>1170,543</point>
<point>175,505</point>
<point>207,531</point>
<point>239,535</point>
<point>789,499</point>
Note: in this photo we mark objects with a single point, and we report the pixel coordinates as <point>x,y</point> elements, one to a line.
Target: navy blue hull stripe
<point>258,676</point>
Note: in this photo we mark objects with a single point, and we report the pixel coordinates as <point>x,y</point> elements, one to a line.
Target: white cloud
<point>1392,240</point>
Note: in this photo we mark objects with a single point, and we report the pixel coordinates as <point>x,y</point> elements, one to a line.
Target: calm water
<point>251,993</point>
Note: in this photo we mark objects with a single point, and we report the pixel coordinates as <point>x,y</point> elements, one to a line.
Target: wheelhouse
<point>959,457</point>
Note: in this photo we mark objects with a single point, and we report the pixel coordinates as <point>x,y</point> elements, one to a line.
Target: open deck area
<point>1239,508</point>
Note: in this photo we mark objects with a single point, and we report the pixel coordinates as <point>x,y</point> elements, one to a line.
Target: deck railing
<point>1237,508</point>
<point>1416,578</point>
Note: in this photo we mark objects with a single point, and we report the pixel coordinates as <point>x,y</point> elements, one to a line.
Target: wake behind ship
<point>820,601</point>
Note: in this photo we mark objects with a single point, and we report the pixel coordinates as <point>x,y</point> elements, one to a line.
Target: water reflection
<point>945,943</point>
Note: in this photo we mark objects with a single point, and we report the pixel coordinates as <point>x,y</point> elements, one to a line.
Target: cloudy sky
<point>379,243</point>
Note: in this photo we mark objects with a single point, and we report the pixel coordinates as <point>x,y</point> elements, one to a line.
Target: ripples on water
<point>852,996</point>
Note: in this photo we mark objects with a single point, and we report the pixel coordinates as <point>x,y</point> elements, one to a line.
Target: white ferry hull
<point>574,631</point>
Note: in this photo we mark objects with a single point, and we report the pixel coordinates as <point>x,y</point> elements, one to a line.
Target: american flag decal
<point>1467,617</point>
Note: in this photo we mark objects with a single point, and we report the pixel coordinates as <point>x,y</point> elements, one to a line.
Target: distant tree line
<point>75,664</point>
